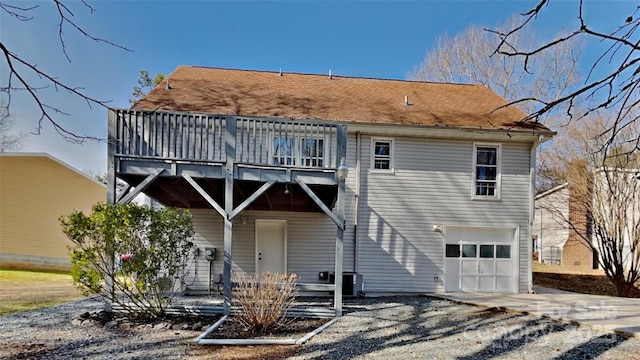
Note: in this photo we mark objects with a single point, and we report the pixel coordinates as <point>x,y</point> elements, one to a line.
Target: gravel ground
<point>374,328</point>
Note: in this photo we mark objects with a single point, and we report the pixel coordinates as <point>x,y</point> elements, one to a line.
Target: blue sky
<point>382,39</point>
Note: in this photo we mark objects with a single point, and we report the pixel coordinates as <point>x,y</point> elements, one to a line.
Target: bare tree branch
<point>614,90</point>
<point>19,68</point>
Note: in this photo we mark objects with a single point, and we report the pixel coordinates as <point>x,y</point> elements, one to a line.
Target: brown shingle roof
<point>347,99</point>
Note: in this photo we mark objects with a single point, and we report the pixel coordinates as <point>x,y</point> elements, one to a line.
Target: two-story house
<point>438,195</point>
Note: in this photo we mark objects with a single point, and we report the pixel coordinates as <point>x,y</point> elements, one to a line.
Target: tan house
<point>35,189</point>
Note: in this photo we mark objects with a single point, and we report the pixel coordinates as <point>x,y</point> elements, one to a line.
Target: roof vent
<point>168,85</point>
<point>406,101</point>
<point>330,75</point>
<point>280,71</point>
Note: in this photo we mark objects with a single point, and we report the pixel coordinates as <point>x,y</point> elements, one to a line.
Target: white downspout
<point>356,250</point>
<point>532,196</point>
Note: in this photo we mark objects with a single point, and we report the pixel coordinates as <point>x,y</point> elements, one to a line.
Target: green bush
<point>142,252</point>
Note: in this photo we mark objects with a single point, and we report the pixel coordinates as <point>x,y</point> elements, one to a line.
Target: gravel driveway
<point>374,328</point>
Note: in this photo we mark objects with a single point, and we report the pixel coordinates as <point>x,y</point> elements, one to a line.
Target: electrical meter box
<point>210,254</point>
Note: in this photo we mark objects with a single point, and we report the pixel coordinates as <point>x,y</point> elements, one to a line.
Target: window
<point>486,171</point>
<point>453,250</point>
<point>503,251</point>
<point>382,157</point>
<point>283,150</point>
<point>298,151</point>
<point>312,152</point>
<point>486,251</point>
<point>469,251</point>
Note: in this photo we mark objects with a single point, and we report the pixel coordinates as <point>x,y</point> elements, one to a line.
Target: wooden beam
<point>204,194</point>
<point>123,193</point>
<point>251,198</point>
<point>143,185</point>
<point>337,219</point>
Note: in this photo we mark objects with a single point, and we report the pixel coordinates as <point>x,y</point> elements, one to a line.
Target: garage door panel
<point>503,283</point>
<point>469,267</point>
<point>486,266</point>
<point>486,283</point>
<point>503,267</point>
<point>469,283</point>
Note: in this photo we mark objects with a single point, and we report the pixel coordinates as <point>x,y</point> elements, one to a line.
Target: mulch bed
<point>292,329</point>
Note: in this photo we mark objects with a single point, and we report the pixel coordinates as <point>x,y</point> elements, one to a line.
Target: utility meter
<point>210,254</point>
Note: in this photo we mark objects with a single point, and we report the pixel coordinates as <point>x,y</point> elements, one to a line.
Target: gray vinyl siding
<point>310,244</point>
<point>398,249</point>
<point>431,184</point>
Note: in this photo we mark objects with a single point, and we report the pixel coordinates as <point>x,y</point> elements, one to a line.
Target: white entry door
<point>271,246</point>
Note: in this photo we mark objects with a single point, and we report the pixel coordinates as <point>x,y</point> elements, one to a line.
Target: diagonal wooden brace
<point>138,189</point>
<point>336,219</point>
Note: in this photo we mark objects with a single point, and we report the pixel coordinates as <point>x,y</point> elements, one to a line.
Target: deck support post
<point>337,293</point>
<point>230,142</point>
<point>111,199</point>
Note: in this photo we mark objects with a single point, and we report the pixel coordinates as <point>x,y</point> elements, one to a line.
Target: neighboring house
<point>558,243</point>
<point>550,230</point>
<point>36,189</point>
<point>439,194</point>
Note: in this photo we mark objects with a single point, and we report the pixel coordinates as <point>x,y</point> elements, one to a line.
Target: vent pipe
<point>330,75</point>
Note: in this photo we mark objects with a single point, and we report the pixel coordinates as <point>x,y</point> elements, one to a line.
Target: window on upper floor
<point>486,171</point>
<point>382,154</point>
<point>297,151</point>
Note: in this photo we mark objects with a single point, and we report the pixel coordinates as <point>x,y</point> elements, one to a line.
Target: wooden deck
<point>204,147</point>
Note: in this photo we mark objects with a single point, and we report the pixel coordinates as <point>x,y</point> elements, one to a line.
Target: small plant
<point>142,252</point>
<point>263,299</point>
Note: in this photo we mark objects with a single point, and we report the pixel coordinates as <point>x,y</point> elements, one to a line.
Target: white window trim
<point>498,172</point>
<point>297,158</point>
<point>392,151</point>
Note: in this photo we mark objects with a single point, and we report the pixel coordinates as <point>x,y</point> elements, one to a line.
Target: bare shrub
<point>263,299</point>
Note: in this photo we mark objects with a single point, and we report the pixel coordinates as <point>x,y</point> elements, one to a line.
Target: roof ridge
<point>325,75</point>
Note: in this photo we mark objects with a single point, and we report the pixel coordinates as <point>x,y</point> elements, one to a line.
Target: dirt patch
<point>584,284</point>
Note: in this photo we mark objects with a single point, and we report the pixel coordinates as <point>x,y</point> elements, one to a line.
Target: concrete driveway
<point>603,312</point>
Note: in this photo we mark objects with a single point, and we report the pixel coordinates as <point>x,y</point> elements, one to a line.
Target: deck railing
<point>203,137</point>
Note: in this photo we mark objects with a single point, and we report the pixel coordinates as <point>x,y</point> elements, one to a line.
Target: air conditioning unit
<point>352,283</point>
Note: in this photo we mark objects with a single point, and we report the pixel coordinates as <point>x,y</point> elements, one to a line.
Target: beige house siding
<point>35,189</point>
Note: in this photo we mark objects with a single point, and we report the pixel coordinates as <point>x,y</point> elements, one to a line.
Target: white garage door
<point>480,260</point>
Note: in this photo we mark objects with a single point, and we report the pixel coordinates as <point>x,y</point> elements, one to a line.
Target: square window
<point>382,154</point>
<point>469,251</point>
<point>452,250</point>
<point>503,251</point>
<point>486,251</point>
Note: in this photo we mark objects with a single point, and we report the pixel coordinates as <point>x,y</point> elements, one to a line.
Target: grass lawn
<point>28,290</point>
<point>580,281</point>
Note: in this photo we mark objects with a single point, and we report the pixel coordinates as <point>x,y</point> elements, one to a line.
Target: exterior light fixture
<point>286,189</point>
<point>438,229</point>
<point>343,170</point>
